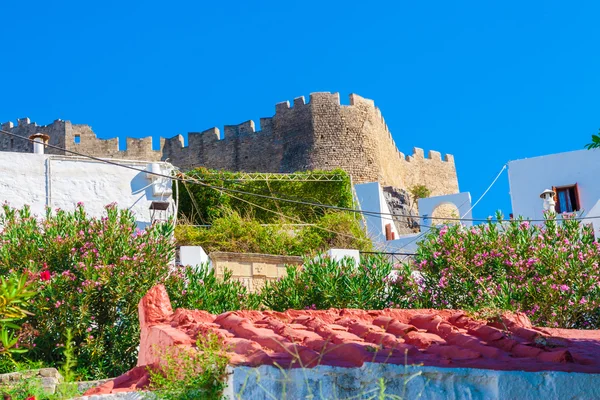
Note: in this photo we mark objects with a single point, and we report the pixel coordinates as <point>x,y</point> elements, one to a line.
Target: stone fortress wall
<point>320,134</point>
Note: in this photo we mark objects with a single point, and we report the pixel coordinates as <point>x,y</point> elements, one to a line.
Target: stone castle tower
<point>320,134</point>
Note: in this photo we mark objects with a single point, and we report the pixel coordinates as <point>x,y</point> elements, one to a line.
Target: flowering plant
<point>89,274</point>
<point>549,271</point>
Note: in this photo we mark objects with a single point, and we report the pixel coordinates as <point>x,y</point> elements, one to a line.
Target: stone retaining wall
<point>253,270</point>
<point>48,378</point>
<point>408,382</point>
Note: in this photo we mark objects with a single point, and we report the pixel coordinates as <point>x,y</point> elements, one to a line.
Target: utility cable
<point>486,190</point>
<point>190,180</point>
<point>298,220</point>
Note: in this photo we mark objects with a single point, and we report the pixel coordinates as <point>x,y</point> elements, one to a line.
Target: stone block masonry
<point>252,270</point>
<point>46,379</point>
<point>321,134</point>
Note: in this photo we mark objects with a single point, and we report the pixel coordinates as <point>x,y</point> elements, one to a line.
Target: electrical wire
<point>191,180</point>
<point>299,220</point>
<point>486,190</point>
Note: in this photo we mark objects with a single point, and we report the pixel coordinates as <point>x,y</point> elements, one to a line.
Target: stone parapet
<point>46,378</point>
<point>252,269</point>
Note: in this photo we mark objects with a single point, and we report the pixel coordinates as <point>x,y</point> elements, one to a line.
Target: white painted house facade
<point>379,222</point>
<point>41,180</point>
<point>573,176</point>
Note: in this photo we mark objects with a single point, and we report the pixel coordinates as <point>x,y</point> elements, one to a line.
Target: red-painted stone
<point>137,378</point>
<point>155,306</point>
<point>350,337</point>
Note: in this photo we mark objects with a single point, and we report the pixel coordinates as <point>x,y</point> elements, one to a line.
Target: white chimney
<point>39,140</point>
<point>549,203</point>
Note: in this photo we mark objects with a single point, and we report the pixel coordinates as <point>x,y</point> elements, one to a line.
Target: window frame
<point>576,199</point>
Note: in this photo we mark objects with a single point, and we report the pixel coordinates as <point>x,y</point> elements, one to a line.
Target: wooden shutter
<point>388,232</point>
<point>557,205</point>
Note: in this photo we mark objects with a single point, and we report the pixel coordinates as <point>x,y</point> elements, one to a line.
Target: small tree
<point>419,192</point>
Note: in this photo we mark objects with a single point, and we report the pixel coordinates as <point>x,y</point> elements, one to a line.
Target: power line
<point>486,190</point>
<point>299,220</point>
<point>191,180</point>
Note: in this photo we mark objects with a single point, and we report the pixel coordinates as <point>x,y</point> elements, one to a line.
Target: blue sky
<point>486,81</point>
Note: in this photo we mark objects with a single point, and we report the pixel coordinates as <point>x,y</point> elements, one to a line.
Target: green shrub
<point>234,233</point>
<point>419,192</point>
<point>199,289</point>
<point>323,283</point>
<point>550,272</point>
<point>89,274</point>
<point>199,374</point>
<point>15,292</point>
<point>340,230</point>
<point>208,204</point>
<point>33,389</point>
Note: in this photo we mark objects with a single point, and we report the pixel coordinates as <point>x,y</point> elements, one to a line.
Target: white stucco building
<point>574,176</point>
<point>379,222</point>
<point>41,180</point>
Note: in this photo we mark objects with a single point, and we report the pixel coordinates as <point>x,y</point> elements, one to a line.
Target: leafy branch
<point>595,142</point>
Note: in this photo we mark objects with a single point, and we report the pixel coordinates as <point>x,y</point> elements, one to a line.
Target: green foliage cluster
<point>595,144</point>
<point>89,275</point>
<point>186,375</point>
<point>234,233</point>
<point>32,389</point>
<point>199,289</point>
<point>248,224</point>
<point>202,205</point>
<point>322,283</point>
<point>419,192</point>
<point>550,271</point>
<point>15,292</point>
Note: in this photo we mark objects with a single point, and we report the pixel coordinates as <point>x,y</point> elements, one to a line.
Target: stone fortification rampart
<point>319,134</point>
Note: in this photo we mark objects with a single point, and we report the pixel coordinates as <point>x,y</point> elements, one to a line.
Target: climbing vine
<point>202,204</point>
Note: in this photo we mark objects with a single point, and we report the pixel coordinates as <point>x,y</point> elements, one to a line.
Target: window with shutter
<point>567,198</point>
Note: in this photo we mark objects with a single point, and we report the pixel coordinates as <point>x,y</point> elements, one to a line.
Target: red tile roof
<point>350,337</point>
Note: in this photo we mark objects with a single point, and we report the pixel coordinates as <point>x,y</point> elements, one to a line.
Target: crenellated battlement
<point>320,133</point>
<point>419,154</point>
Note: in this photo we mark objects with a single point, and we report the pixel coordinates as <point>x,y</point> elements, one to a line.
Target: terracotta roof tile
<point>347,337</point>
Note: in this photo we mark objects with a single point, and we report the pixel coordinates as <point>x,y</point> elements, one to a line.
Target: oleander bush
<point>322,283</point>
<point>550,272</point>
<point>197,288</point>
<point>81,278</point>
<point>89,275</point>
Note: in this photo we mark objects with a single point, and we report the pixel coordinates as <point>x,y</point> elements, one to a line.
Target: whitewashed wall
<point>462,201</point>
<point>530,176</point>
<point>370,198</point>
<point>61,182</point>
